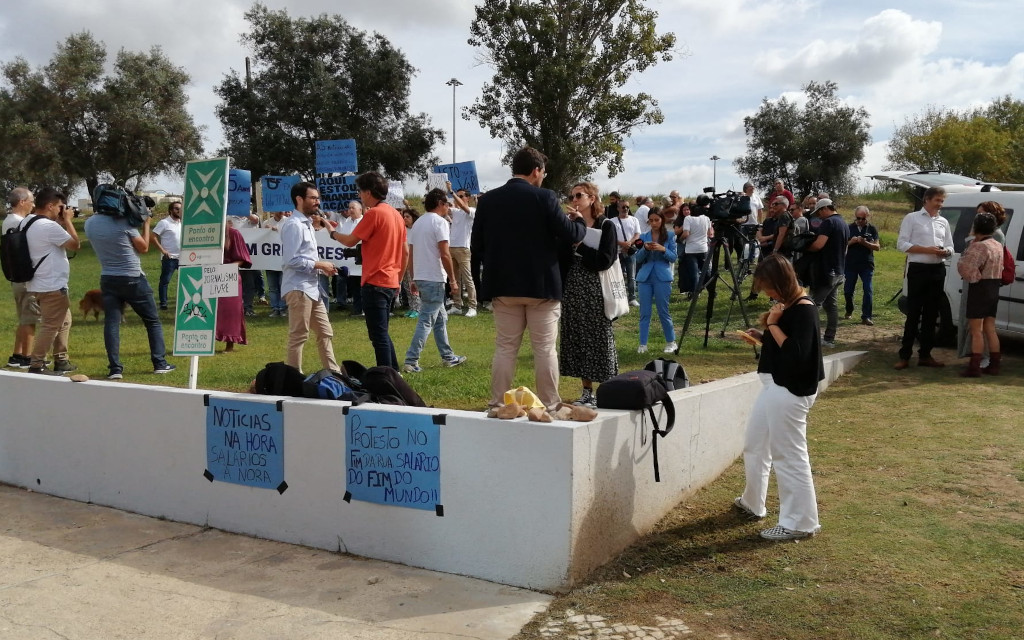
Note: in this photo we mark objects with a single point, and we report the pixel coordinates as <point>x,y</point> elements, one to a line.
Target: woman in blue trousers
<point>654,280</point>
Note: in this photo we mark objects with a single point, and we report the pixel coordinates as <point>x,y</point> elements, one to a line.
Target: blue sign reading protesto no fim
<point>245,443</point>
<point>336,156</point>
<point>393,459</point>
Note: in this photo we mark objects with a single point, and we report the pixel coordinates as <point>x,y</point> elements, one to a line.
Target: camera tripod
<point>708,280</point>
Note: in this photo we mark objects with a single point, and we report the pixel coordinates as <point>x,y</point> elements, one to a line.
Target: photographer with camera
<point>118,243</point>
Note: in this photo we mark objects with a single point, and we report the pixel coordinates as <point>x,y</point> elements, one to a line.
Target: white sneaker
<point>471,313</point>
<point>456,311</point>
<point>671,347</point>
<point>642,349</point>
<point>634,304</point>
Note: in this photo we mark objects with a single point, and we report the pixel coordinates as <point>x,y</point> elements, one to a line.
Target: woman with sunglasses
<point>587,344</point>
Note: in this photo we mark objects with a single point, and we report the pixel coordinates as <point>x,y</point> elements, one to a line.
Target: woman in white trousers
<point>790,368</point>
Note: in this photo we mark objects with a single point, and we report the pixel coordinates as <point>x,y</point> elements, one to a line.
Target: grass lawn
<point>920,478</point>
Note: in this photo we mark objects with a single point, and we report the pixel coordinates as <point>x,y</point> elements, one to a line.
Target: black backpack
<point>643,389</point>
<point>332,385</point>
<point>280,379</point>
<point>384,385</point>
<point>112,200</point>
<point>14,253</point>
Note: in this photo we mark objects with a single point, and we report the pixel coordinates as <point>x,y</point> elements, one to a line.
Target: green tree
<point>558,66</point>
<point>68,121</point>
<point>985,143</point>
<point>320,79</point>
<point>813,148</point>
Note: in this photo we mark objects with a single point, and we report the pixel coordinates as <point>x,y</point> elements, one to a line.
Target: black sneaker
<point>14,361</point>
<point>587,399</point>
<point>164,368</point>
<point>115,375</point>
<point>64,366</point>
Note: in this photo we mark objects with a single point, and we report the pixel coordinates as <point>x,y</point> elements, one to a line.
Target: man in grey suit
<point>525,241</point>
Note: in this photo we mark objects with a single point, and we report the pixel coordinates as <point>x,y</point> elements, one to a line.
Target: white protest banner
<point>265,250</point>
<point>437,181</point>
<point>396,194</point>
<point>220,280</point>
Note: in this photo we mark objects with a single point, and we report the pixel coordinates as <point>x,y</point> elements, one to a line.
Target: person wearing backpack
<point>49,238</point>
<point>981,266</point>
<point>20,201</point>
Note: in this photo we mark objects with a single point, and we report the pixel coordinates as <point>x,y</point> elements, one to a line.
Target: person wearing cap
<point>926,239</point>
<point>833,235</point>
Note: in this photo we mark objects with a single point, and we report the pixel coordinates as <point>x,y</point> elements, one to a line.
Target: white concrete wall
<point>528,504</point>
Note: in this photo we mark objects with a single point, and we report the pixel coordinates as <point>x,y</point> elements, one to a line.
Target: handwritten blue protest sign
<point>336,156</point>
<point>393,459</point>
<point>277,192</point>
<point>462,175</point>
<point>239,192</point>
<point>336,192</point>
<point>245,443</point>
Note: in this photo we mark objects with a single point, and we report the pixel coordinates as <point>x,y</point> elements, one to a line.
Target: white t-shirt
<point>169,232</point>
<point>243,222</point>
<point>755,206</point>
<point>641,217</point>
<point>462,226</point>
<point>625,228</point>
<point>12,220</point>
<point>698,226</point>
<point>426,232</point>
<point>46,238</point>
<point>273,223</point>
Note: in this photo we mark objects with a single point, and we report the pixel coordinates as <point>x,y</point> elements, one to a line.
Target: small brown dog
<point>92,303</point>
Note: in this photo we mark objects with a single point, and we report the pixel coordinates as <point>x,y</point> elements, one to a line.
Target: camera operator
<point>385,256</point>
<point>118,244</point>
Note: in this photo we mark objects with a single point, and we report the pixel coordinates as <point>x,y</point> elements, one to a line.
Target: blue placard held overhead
<point>393,459</point>
<point>336,156</point>
<point>277,192</point>
<point>336,192</point>
<point>239,192</point>
<point>245,443</point>
<point>462,175</point>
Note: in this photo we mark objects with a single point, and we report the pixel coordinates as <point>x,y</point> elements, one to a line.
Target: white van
<point>963,195</point>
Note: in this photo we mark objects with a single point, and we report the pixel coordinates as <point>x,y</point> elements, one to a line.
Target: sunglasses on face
<point>577,196</point>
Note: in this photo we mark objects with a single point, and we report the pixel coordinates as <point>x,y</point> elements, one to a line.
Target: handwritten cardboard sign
<point>245,443</point>
<point>239,192</point>
<point>277,192</point>
<point>462,175</point>
<point>336,156</point>
<point>220,280</point>
<point>393,459</point>
<point>437,181</point>
<point>396,194</point>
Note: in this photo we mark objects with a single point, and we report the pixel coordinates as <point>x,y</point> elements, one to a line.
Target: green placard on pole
<point>206,206</point>
<point>195,317</point>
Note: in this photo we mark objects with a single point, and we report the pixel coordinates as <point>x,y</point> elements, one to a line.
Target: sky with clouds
<point>895,62</point>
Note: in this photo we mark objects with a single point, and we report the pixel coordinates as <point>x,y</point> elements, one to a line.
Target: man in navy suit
<point>525,241</point>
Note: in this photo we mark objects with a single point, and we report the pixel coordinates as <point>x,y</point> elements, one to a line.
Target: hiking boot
<point>994,360</point>
<point>973,369</point>
<point>454,361</point>
<point>782,533</point>
<point>930,362</point>
<point>164,368</point>
<point>64,366</point>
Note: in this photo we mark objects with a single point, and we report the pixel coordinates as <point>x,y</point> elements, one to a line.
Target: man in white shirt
<point>48,241</point>
<point>430,264</point>
<point>21,201</point>
<point>167,238</point>
<point>642,211</point>
<point>927,240</point>
<point>463,215</point>
<point>627,231</point>
<point>350,274</point>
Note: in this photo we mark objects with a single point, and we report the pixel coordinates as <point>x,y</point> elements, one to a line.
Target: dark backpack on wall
<point>642,390</point>
<point>383,384</point>
<point>332,385</point>
<point>280,379</point>
<point>14,253</point>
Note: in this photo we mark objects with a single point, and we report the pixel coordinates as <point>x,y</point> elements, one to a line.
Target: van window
<point>961,219</point>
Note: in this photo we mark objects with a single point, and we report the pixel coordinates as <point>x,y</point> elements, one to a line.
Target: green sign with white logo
<point>206,206</point>
<point>195,318</point>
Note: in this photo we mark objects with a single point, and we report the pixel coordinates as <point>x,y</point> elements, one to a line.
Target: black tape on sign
<point>440,418</point>
<point>208,475</point>
<point>439,510</point>
<point>348,496</point>
<point>206,399</point>
<point>344,410</point>
<point>281,488</point>
<point>280,406</point>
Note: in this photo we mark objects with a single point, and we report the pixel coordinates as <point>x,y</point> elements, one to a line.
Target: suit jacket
<point>655,266</point>
<point>524,241</point>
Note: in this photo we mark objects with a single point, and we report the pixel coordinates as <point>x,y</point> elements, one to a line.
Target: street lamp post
<point>714,173</point>
<point>453,83</point>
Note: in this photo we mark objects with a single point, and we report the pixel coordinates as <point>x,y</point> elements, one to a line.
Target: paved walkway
<point>81,572</point>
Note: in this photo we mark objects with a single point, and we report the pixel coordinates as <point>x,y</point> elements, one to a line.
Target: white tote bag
<point>613,288</point>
